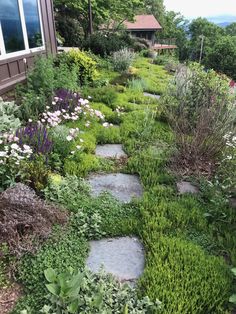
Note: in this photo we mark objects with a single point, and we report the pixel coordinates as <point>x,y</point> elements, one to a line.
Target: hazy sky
<point>202,7</point>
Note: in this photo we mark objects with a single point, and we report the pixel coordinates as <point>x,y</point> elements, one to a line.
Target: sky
<point>204,8</point>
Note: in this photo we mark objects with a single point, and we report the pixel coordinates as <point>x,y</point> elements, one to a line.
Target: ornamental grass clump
<point>122,59</point>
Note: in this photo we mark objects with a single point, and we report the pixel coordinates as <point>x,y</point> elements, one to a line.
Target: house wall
<point>13,70</point>
<point>148,35</point>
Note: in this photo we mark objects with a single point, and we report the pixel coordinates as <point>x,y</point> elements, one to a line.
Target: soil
<point>9,297</point>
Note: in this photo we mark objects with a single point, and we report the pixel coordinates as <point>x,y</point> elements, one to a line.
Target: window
<point>20,27</point>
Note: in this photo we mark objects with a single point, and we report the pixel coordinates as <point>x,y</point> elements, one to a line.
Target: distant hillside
<point>222,20</point>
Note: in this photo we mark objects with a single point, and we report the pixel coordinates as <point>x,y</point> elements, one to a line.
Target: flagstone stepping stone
<point>122,257</point>
<point>152,95</point>
<point>110,151</point>
<point>186,187</point>
<point>122,186</point>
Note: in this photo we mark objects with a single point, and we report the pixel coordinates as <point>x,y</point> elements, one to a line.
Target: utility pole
<point>90,17</point>
<point>201,52</point>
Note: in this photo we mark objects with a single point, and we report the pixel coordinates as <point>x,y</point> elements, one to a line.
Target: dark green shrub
<point>105,44</point>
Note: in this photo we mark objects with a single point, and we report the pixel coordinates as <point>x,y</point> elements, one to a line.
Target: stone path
<point>121,257</point>
<point>110,151</point>
<point>122,186</point>
<point>152,95</point>
<point>186,187</point>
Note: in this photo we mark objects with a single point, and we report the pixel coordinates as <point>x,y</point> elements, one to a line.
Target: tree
<point>222,56</point>
<point>175,26</point>
<point>103,11</point>
<point>211,33</point>
<point>155,7</point>
<point>231,29</point>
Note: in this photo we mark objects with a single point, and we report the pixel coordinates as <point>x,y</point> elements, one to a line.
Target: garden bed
<point>187,237</point>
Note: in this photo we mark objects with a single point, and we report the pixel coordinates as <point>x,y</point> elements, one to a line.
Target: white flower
<point>73,152</point>
<point>81,140</point>
<point>30,120</point>
<point>69,138</point>
<point>3,154</point>
<point>14,146</point>
<point>78,147</point>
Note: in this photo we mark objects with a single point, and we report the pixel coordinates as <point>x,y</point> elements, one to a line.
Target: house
<point>144,26</point>
<point>26,30</point>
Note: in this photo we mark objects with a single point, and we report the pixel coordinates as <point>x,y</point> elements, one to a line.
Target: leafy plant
<point>8,119</point>
<point>65,292</point>
<point>36,172</point>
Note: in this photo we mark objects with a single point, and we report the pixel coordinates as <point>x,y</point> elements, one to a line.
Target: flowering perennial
<point>68,106</point>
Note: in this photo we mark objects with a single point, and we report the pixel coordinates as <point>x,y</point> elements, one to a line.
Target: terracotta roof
<point>143,22</point>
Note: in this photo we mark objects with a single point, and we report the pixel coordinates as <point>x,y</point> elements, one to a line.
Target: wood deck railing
<point>166,41</point>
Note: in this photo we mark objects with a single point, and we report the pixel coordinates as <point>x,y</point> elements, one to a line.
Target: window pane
<point>11,26</point>
<point>32,23</point>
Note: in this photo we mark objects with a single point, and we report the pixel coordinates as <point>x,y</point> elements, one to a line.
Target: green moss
<point>109,135</point>
<point>156,77</point>
<point>87,141</point>
<point>81,164</point>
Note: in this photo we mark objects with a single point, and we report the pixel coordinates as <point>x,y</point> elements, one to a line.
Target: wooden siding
<point>13,70</point>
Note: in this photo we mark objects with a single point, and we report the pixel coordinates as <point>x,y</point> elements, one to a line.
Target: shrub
<point>105,44</point>
<point>185,279</point>
<point>33,96</point>
<point>36,172</point>
<point>26,220</point>
<point>80,62</point>
<point>122,59</point>
<point>201,112</point>
<point>8,119</point>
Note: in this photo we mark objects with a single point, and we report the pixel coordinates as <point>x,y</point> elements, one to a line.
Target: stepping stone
<point>122,186</point>
<point>187,187</point>
<point>110,151</point>
<point>121,257</point>
<point>152,95</point>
